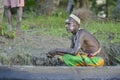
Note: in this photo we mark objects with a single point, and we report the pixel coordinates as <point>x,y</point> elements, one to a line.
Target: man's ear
<point>77,25</point>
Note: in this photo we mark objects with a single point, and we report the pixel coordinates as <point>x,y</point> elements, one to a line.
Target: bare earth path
<point>32,45</point>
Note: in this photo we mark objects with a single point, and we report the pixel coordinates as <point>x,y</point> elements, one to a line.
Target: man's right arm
<point>72,42</point>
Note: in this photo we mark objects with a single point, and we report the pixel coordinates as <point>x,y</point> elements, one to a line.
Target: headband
<point>75,18</point>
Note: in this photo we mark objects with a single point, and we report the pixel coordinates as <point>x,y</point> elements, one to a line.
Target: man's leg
<point>9,17</point>
<point>82,60</point>
<point>19,19</point>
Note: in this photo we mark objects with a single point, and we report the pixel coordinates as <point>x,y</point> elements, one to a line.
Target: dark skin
<point>9,17</point>
<point>81,40</point>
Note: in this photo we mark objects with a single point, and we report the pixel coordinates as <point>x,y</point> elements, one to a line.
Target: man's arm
<point>72,42</point>
<point>73,51</point>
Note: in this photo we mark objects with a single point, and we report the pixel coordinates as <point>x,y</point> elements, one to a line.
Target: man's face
<point>70,25</point>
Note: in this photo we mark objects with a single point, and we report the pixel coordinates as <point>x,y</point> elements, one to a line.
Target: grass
<point>105,31</point>
<point>54,25</point>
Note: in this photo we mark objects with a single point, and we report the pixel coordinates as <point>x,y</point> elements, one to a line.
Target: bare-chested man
<point>84,49</point>
<point>18,4</point>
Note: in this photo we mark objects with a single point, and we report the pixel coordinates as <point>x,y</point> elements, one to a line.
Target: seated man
<point>84,49</point>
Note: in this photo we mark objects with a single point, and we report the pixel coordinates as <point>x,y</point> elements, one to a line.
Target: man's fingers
<point>48,55</point>
<point>90,55</point>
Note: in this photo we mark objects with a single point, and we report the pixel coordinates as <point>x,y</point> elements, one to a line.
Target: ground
<point>29,46</point>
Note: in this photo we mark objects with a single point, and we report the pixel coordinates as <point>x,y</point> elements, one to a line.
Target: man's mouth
<point>68,30</point>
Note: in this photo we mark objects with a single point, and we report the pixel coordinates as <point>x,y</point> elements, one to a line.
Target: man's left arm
<point>73,51</point>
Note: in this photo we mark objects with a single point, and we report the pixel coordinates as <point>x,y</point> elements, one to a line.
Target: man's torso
<point>90,44</point>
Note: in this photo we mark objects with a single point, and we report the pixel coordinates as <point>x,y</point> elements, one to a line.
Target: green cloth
<point>82,60</point>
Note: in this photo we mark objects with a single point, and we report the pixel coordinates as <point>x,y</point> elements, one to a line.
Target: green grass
<point>105,31</point>
<point>52,25</point>
<point>55,26</point>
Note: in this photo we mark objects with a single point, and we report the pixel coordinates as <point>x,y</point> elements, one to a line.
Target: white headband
<point>75,18</point>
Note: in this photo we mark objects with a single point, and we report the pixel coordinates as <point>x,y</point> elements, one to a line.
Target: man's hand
<point>51,54</point>
<point>90,55</point>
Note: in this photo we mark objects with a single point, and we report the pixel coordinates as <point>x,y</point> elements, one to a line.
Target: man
<point>84,49</point>
<point>18,4</point>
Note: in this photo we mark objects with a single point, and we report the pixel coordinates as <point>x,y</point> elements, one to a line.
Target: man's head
<point>72,23</point>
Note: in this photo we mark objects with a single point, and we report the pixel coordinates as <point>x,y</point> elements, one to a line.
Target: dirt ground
<point>29,49</point>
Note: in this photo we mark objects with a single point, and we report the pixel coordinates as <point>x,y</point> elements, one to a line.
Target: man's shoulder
<point>81,30</point>
<point>84,32</point>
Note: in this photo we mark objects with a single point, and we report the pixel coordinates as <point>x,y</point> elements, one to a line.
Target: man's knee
<point>7,7</point>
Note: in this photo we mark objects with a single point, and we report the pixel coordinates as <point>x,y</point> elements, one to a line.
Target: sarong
<point>14,3</point>
<point>81,60</point>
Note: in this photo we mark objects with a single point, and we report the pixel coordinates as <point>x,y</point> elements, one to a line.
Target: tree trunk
<point>70,6</point>
<point>116,12</point>
<point>106,11</point>
<point>47,7</point>
<point>1,10</point>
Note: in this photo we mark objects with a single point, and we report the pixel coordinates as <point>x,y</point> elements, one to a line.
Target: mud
<point>30,49</point>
